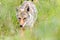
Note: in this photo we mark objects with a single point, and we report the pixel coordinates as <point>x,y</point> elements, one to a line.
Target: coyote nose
<point>21,26</point>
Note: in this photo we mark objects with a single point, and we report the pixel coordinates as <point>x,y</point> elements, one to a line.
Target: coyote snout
<point>26,14</point>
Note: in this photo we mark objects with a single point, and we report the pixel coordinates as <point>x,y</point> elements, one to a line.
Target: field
<point>47,26</point>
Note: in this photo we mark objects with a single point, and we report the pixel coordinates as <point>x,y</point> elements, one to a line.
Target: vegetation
<point>47,26</point>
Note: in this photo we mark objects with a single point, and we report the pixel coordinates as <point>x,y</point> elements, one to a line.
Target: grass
<point>47,26</point>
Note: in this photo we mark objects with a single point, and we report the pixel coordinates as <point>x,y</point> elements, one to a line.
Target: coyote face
<point>26,14</point>
<point>22,17</point>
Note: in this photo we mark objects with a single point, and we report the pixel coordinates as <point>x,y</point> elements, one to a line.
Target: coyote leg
<point>31,28</point>
<point>22,35</point>
<point>22,32</point>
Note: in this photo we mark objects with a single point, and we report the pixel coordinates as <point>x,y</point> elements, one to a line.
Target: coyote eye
<point>19,18</point>
<point>24,18</point>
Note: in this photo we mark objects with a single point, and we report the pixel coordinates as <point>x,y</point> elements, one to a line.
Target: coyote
<point>26,14</point>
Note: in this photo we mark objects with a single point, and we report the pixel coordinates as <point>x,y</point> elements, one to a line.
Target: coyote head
<point>22,15</point>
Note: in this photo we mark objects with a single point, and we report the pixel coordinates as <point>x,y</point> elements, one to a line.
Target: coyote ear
<point>32,0</point>
<point>16,9</point>
<point>27,8</point>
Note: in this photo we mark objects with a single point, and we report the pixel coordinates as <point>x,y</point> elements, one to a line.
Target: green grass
<point>47,26</point>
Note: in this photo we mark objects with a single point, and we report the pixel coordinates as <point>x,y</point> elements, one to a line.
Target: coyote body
<point>26,14</point>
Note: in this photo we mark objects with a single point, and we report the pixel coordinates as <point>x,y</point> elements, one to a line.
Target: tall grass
<point>47,26</point>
